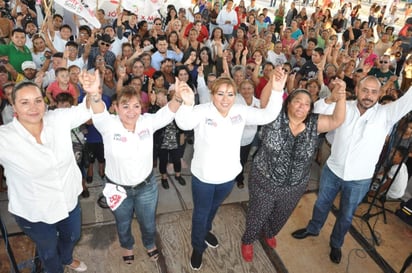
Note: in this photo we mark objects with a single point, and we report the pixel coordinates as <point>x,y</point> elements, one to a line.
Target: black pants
<point>174,155</point>
<point>244,155</point>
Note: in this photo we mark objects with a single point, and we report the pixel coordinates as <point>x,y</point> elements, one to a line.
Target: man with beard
<point>356,146</point>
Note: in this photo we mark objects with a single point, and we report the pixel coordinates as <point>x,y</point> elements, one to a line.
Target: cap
<point>105,38</point>
<point>109,67</point>
<point>355,48</point>
<point>28,64</point>
<point>7,84</point>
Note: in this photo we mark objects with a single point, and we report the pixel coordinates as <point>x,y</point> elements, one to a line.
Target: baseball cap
<point>28,64</point>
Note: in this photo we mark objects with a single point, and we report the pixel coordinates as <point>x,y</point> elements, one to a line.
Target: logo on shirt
<point>236,119</point>
<point>210,122</point>
<point>119,137</point>
<point>143,134</point>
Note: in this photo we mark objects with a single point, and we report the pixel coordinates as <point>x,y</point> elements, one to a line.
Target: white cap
<point>28,64</point>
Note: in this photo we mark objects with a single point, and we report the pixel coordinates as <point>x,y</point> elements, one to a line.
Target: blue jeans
<point>143,202</point>
<point>54,242</point>
<point>206,200</point>
<point>352,193</point>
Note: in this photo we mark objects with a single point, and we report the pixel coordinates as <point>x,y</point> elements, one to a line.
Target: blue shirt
<point>157,58</point>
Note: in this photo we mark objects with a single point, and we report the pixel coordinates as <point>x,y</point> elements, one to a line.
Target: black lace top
<point>285,159</point>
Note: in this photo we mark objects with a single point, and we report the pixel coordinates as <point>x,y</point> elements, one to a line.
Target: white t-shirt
<point>397,189</point>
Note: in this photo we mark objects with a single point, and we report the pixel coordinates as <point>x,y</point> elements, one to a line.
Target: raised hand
<point>278,78</point>
<point>339,90</point>
<point>90,82</point>
<point>184,92</point>
<point>200,70</point>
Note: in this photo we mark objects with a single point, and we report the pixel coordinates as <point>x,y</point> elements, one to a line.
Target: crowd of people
<point>221,76</point>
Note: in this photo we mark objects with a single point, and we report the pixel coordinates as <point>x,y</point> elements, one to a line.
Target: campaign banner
<point>78,8</point>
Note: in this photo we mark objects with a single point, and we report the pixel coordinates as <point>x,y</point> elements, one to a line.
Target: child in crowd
<point>60,85</point>
<point>394,186</point>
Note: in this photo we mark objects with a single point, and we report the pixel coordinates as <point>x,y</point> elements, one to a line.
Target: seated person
<point>397,187</point>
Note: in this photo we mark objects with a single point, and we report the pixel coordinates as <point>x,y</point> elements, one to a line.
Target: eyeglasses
<point>99,60</point>
<point>104,44</point>
<point>383,62</point>
<point>158,24</point>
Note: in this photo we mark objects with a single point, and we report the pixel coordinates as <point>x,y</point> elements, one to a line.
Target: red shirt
<point>260,86</point>
<point>203,35</point>
<point>55,89</point>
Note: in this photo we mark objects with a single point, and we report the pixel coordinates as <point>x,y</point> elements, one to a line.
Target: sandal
<point>153,254</point>
<point>128,259</point>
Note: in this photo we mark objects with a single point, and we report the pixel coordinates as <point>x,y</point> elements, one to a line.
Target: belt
<point>135,187</point>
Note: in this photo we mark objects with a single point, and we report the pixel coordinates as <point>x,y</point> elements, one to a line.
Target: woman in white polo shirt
<point>218,127</point>
<point>43,179</point>
<point>128,149</point>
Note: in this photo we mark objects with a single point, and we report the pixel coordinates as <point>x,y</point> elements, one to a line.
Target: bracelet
<point>96,98</point>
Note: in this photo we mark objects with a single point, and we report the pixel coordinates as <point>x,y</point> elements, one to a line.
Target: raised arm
<point>330,122</point>
<point>181,88</point>
<point>276,83</point>
<point>91,85</point>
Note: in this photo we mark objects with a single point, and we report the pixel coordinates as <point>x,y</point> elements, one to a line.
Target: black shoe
<point>240,184</point>
<point>211,240</point>
<point>85,193</point>
<point>196,260</point>
<point>181,180</point>
<point>335,255</point>
<point>302,234</point>
<point>165,184</point>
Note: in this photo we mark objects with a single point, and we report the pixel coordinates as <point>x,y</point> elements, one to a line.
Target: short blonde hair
<point>221,81</point>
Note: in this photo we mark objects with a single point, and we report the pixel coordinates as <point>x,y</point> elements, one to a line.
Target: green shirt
<point>16,56</point>
<point>383,77</point>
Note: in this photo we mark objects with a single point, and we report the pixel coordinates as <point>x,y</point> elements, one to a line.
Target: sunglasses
<point>158,24</point>
<point>383,62</point>
<point>104,44</point>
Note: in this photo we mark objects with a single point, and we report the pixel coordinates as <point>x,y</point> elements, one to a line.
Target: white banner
<point>137,7</point>
<point>77,7</point>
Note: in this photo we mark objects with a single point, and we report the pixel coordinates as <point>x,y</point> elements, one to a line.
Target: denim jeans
<point>54,242</point>
<point>143,202</point>
<point>206,200</point>
<point>352,193</point>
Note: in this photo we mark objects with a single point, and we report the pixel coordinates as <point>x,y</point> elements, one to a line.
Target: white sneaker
<point>82,267</point>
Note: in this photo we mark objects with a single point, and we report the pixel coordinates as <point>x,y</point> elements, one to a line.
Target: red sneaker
<point>271,242</point>
<point>247,252</point>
